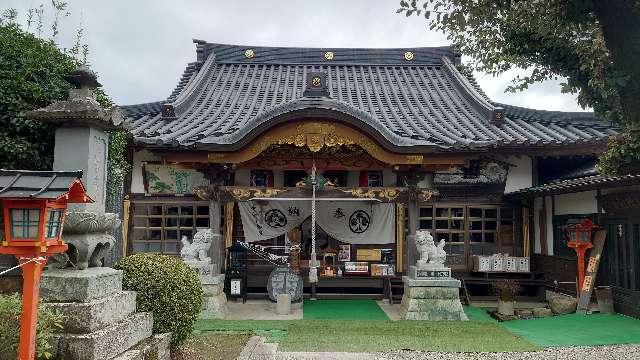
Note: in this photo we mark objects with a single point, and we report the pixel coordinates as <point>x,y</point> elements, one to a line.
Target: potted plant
<point>506,289</point>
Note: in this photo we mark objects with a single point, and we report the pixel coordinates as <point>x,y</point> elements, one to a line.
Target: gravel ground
<point>618,352</point>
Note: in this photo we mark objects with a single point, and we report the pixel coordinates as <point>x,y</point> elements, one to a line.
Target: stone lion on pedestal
<point>199,248</point>
<point>431,255</point>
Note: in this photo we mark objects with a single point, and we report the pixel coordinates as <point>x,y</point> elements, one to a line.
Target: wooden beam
<point>542,224</point>
<point>400,237</point>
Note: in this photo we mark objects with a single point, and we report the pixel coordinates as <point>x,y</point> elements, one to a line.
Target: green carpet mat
<point>576,330</point>
<point>343,310</point>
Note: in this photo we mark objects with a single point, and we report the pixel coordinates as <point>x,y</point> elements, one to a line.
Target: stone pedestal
<point>435,298</point>
<point>214,305</point>
<point>283,305</point>
<point>100,319</point>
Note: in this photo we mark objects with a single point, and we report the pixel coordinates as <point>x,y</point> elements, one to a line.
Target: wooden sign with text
<point>592,270</point>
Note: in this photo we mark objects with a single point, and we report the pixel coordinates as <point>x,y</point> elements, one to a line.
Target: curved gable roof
<point>424,103</point>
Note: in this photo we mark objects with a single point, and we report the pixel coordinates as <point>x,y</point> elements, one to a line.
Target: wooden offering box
<point>356,268</point>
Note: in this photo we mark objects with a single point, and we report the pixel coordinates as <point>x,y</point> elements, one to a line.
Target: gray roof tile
<point>425,103</point>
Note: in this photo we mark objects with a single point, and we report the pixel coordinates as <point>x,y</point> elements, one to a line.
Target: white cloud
<point>140,48</point>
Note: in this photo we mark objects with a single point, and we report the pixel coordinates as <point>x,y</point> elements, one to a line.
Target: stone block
<point>67,285</point>
<point>86,317</point>
<point>432,293</point>
<point>563,304</point>
<point>106,343</point>
<point>450,282</point>
<point>214,307</point>
<point>431,303</point>
<point>283,304</point>
<point>204,269</point>
<point>153,348</point>
<point>542,312</point>
<point>212,290</point>
<point>429,271</point>
<point>524,313</point>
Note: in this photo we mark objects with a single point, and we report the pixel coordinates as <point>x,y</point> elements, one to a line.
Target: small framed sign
<point>344,254</point>
<point>235,287</point>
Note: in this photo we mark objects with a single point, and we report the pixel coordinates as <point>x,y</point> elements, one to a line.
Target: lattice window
<point>159,225</point>
<point>469,230</point>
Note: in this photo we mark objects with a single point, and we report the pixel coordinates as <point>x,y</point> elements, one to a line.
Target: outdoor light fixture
<point>235,279</point>
<point>33,210</point>
<point>579,235</point>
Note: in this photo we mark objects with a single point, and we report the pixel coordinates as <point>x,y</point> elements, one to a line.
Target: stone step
<point>87,317</point>
<point>106,343</point>
<point>153,348</point>
<point>68,285</point>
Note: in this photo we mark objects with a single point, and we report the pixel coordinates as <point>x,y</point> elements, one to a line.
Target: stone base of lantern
<point>100,319</point>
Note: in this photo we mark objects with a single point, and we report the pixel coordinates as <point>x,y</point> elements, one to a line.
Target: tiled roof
<point>585,183</point>
<point>36,184</point>
<point>422,104</point>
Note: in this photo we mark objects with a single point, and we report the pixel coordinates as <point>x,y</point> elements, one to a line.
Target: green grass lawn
<point>377,335</point>
<point>359,327</point>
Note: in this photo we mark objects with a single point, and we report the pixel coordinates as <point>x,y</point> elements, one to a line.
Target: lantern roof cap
<point>57,185</point>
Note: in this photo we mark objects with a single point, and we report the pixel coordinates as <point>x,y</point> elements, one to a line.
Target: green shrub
<point>168,288</point>
<point>49,321</point>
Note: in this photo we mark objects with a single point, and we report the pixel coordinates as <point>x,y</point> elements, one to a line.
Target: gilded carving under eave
<point>242,193</point>
<point>389,194</point>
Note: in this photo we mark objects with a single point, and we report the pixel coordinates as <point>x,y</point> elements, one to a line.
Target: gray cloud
<point>139,48</point>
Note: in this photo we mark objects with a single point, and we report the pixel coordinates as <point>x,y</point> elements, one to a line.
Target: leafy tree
<point>594,44</point>
<point>32,71</point>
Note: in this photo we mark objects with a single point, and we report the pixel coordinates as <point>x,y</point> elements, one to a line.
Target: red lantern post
<point>580,241</point>
<point>34,206</point>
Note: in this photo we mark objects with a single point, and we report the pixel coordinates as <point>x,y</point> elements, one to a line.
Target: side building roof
<point>413,99</point>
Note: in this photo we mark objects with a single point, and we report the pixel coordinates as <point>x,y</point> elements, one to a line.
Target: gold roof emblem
<point>316,81</point>
<point>328,55</point>
<point>408,56</point>
<point>249,53</point>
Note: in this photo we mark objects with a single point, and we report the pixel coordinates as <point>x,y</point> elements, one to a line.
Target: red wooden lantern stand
<point>33,221</point>
<point>580,241</point>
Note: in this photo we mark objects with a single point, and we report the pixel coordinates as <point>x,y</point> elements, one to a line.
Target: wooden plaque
<point>592,270</point>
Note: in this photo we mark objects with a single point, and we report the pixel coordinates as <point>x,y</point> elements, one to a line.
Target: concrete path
<point>260,310</point>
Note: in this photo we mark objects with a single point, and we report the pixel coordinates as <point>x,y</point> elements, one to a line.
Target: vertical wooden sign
<point>592,270</point>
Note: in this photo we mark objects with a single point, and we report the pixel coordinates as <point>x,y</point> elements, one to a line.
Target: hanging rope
<point>313,266</point>
<point>38,259</point>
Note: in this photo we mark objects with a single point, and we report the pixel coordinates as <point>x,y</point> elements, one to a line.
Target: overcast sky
<point>139,48</point>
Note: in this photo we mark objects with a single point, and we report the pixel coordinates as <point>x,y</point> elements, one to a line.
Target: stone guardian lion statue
<point>197,250</point>
<point>431,255</point>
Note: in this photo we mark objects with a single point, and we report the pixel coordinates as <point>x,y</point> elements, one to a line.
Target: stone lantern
<point>81,142</point>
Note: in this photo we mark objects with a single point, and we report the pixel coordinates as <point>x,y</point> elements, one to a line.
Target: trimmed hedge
<point>166,287</point>
<point>49,321</point>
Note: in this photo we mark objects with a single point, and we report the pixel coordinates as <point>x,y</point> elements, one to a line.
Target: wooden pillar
<point>526,245</point>
<point>542,224</point>
<point>400,240</point>
<point>228,228</point>
<point>414,211</point>
<point>31,271</point>
<point>216,250</point>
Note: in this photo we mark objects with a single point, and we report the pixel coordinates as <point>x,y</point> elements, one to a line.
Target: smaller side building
<point>613,202</point>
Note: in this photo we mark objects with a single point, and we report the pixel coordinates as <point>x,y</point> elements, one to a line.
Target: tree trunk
<point>620,22</point>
